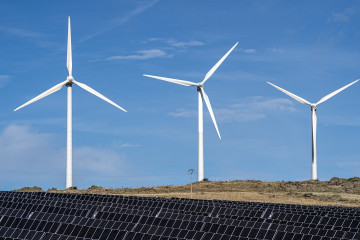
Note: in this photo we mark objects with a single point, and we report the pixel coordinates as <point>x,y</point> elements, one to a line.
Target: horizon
<point>205,181</point>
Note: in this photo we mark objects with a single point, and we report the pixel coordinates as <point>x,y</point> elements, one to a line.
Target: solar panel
<point>80,216</point>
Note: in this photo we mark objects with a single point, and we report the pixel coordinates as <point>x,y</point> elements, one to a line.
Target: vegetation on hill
<point>337,191</point>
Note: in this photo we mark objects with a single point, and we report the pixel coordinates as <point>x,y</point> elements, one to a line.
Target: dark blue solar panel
<point>81,216</point>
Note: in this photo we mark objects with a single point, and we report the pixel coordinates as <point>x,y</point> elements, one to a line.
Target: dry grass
<point>337,191</point>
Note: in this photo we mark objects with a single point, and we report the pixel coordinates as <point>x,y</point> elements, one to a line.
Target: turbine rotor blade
<point>213,69</point>
<point>69,51</point>
<point>335,92</point>
<point>44,94</point>
<point>90,90</point>
<point>177,81</point>
<point>207,102</point>
<point>291,94</point>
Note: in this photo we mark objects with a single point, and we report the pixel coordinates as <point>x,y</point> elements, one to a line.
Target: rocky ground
<point>337,191</point>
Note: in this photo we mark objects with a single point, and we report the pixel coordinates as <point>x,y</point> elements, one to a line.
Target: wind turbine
<point>314,119</point>
<point>68,83</point>
<point>201,96</point>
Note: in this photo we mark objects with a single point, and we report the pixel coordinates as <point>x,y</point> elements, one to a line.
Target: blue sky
<point>309,48</point>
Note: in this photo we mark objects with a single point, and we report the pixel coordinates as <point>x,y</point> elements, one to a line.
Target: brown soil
<point>337,191</point>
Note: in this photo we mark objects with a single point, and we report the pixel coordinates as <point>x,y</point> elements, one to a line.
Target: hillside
<point>337,191</point>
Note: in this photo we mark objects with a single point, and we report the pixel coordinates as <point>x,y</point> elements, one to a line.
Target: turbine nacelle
<point>70,79</point>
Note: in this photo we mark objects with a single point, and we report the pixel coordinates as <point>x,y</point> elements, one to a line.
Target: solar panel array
<point>40,215</point>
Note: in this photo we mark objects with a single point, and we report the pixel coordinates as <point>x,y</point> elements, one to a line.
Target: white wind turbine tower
<point>68,83</point>
<point>314,119</point>
<point>201,96</point>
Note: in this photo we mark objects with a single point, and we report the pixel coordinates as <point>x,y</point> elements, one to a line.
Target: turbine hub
<point>313,107</point>
<point>70,81</point>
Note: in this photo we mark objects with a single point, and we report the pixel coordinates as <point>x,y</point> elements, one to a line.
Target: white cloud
<point>20,32</point>
<point>343,16</point>
<point>4,80</point>
<point>31,158</point>
<point>237,115</point>
<point>121,21</point>
<point>36,37</point>
<point>252,109</point>
<point>157,53</point>
<point>178,44</point>
<point>129,145</point>
<point>142,55</point>
<point>119,144</point>
<point>238,75</point>
<point>21,147</point>
<point>184,44</point>
<point>259,103</point>
<point>97,160</point>
<point>248,50</point>
<point>154,39</point>
<point>135,12</point>
<point>340,17</point>
<point>275,50</point>
<point>183,113</point>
